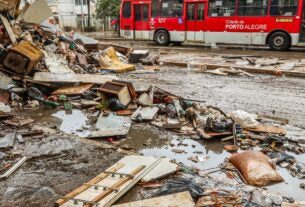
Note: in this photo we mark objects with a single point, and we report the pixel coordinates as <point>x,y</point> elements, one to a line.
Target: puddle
<point>71,123</point>
<point>153,142</point>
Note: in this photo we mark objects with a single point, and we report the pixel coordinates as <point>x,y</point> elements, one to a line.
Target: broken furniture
<point>116,90</point>
<point>22,58</point>
<point>109,186</point>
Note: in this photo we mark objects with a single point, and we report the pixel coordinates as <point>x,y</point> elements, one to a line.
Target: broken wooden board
<point>111,125</point>
<point>73,90</point>
<point>145,113</point>
<point>267,129</point>
<point>163,169</point>
<point>183,199</point>
<point>19,122</point>
<point>72,78</point>
<point>9,29</point>
<point>109,186</point>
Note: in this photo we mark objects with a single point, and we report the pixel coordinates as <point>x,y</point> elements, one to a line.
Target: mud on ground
<point>56,165</point>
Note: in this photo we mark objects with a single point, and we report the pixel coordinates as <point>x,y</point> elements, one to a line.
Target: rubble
<point>47,69</point>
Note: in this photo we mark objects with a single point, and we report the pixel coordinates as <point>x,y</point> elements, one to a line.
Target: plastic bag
<point>180,185</point>
<point>244,119</point>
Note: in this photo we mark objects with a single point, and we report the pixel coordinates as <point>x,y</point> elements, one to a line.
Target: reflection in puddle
<point>73,123</point>
<point>153,142</point>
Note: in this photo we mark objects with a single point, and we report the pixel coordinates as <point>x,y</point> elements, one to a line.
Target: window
<point>252,7</point>
<point>200,12</point>
<point>145,12</point>
<point>127,9</point>
<point>172,8</point>
<point>190,11</point>
<point>137,12</point>
<point>283,7</point>
<point>219,8</point>
<point>80,2</point>
<point>155,7</point>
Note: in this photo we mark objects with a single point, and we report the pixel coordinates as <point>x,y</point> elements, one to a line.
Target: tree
<point>107,8</point>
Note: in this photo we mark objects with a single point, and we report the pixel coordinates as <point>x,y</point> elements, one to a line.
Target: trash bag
<point>180,185</point>
<point>115,105</point>
<point>255,168</point>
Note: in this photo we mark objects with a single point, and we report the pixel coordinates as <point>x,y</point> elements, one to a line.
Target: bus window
<point>155,6</point>
<point>127,9</point>
<point>190,11</point>
<point>252,7</point>
<point>219,8</point>
<point>145,12</point>
<point>138,12</point>
<point>200,12</point>
<point>172,8</point>
<point>283,7</point>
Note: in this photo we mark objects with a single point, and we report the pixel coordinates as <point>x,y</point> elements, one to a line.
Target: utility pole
<point>82,14</point>
<point>89,13</point>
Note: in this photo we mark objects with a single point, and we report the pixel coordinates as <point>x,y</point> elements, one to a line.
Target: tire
<point>177,43</point>
<point>279,41</point>
<point>162,38</point>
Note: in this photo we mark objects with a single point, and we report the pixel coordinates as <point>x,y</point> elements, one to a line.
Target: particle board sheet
<point>72,78</point>
<point>129,163</point>
<point>163,169</point>
<point>183,199</point>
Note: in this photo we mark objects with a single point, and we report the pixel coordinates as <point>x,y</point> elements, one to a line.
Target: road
<point>278,96</point>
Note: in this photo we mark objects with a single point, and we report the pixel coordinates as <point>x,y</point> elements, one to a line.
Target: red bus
<point>278,23</point>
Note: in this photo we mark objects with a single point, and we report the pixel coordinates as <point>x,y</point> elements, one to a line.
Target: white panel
<point>199,36</point>
<point>177,36</point>
<point>190,36</point>
<point>294,38</point>
<point>228,37</point>
<point>127,34</point>
<point>145,35</point>
<point>258,38</point>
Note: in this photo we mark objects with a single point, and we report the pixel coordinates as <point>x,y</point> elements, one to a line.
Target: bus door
<point>195,21</point>
<point>302,33</point>
<point>141,21</point>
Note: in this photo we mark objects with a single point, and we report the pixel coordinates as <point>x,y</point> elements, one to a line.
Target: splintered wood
<point>107,187</point>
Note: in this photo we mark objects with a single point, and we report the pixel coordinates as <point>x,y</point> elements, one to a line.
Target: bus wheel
<point>162,37</point>
<point>279,41</point>
<point>177,43</point>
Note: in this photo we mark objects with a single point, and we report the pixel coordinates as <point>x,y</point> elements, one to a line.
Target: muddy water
<point>153,142</point>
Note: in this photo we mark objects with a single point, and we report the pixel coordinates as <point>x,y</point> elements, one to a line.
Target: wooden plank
<point>72,78</point>
<point>267,129</point>
<point>183,199</point>
<point>9,30</point>
<point>93,181</point>
<point>73,90</point>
